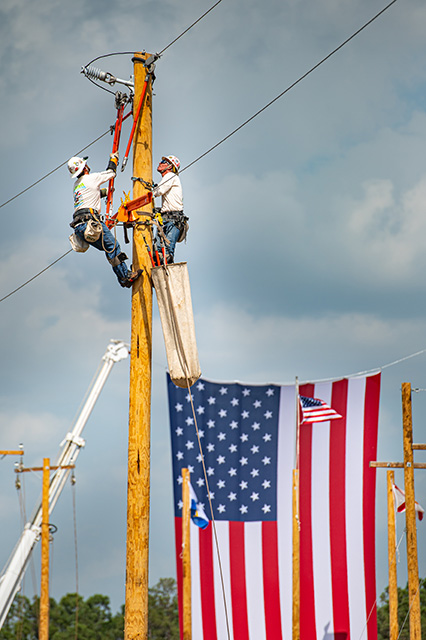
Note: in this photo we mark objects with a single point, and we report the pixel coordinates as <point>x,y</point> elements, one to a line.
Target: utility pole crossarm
<point>6,452</point>
<point>397,465</point>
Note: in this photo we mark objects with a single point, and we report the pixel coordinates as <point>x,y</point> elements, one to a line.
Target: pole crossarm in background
<point>396,465</point>
<point>6,452</point>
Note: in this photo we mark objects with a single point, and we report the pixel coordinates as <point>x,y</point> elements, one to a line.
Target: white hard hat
<point>173,160</point>
<point>76,165</point>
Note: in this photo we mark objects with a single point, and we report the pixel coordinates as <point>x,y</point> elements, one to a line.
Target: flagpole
<point>297,400</point>
<point>296,524</point>
<point>186,555</point>
<point>393,587</point>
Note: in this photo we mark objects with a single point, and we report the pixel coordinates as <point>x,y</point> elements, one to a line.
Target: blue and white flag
<point>198,515</point>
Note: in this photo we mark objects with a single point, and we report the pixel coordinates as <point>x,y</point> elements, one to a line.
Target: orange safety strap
<point>115,145</point>
<point>135,120</point>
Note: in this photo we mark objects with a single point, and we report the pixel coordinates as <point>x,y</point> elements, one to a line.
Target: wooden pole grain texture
<point>186,556</point>
<point>296,557</point>
<point>138,488</point>
<point>393,586</point>
<point>410,515</point>
<point>44,583</point>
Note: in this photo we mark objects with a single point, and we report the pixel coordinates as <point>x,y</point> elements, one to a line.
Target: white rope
<point>184,364</point>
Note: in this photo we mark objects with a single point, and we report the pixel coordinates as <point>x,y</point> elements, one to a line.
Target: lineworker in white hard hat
<point>86,221</point>
<point>170,189</point>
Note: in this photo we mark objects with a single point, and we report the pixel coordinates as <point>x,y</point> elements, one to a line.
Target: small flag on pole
<point>315,410</point>
<point>400,502</point>
<point>198,515</point>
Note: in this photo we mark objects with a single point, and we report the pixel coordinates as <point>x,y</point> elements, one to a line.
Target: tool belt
<point>179,220</point>
<point>83,215</point>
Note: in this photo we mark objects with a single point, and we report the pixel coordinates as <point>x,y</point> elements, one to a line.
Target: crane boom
<point>14,570</point>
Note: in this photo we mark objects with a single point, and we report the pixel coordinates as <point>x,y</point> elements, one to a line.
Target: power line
<point>36,276</point>
<point>127,53</point>
<point>53,170</point>
<point>190,27</point>
<point>232,132</point>
<point>280,95</point>
<point>107,55</point>
<point>291,86</point>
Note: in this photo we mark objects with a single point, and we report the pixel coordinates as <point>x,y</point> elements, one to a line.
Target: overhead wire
<point>241,125</point>
<point>106,55</point>
<point>122,53</point>
<point>215,146</point>
<point>36,276</point>
<point>280,95</point>
<point>55,169</point>
<point>190,27</point>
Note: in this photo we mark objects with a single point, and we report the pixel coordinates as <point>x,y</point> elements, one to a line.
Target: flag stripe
<point>338,516</point>
<point>372,397</point>
<point>271,583</point>
<point>307,599</point>
<point>319,517</point>
<point>249,437</point>
<point>197,614</point>
<point>254,571</point>
<point>207,584</point>
<point>222,580</point>
<point>238,580</point>
<point>286,462</point>
<point>354,507</point>
<point>179,577</point>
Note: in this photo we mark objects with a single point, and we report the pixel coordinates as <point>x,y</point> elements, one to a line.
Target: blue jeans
<point>107,243</point>
<point>172,233</point>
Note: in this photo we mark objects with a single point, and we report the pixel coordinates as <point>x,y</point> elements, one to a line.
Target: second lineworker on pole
<point>170,189</point>
<point>86,222</point>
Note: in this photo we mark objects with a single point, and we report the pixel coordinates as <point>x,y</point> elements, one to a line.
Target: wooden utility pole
<point>393,585</point>
<point>186,555</point>
<point>296,557</point>
<point>45,539</point>
<point>44,584</point>
<point>296,524</point>
<point>410,515</point>
<point>410,510</point>
<point>138,488</point>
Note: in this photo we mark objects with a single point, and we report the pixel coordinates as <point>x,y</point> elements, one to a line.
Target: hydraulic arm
<point>13,572</point>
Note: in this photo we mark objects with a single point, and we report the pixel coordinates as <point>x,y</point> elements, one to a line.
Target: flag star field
<point>239,436</point>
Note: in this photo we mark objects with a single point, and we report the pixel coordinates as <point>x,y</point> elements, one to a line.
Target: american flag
<point>248,437</point>
<point>315,410</point>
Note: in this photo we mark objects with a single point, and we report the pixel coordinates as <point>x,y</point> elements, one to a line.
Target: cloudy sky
<point>306,253</point>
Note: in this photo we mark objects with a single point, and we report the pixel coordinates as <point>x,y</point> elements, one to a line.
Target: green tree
<point>163,617</point>
<point>403,617</point>
<point>92,617</point>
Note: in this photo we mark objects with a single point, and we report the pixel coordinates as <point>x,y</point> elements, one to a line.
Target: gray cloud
<point>305,252</point>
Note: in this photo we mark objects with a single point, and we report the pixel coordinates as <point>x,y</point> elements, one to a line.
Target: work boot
<point>169,259</point>
<point>132,276</point>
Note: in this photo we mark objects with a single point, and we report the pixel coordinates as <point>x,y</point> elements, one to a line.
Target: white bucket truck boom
<point>13,572</point>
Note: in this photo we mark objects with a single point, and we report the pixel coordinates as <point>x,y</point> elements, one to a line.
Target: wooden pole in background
<point>393,586</point>
<point>296,557</point>
<point>44,585</point>
<point>410,515</point>
<point>186,556</point>
<point>296,524</point>
<point>138,489</point>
